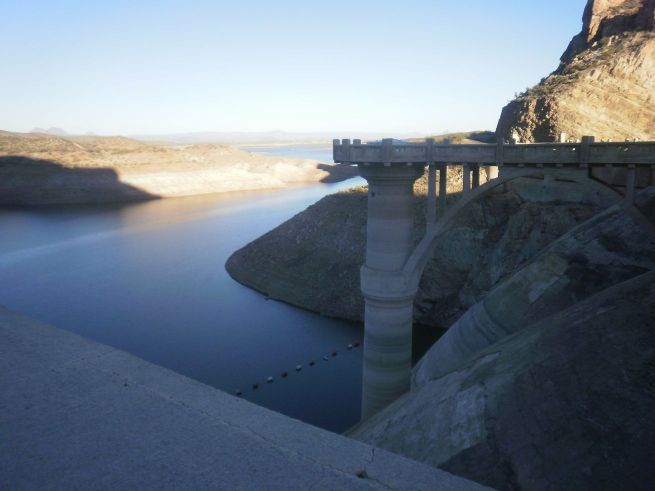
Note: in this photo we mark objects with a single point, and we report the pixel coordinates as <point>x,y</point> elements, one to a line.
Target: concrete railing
<point>584,153</point>
<point>389,279</point>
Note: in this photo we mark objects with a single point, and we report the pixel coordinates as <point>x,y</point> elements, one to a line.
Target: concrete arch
<point>415,265</point>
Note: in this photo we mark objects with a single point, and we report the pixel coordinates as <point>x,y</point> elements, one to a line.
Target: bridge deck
<point>582,154</point>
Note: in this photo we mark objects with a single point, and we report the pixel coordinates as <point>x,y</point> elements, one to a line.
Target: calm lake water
<point>322,152</point>
<point>149,278</point>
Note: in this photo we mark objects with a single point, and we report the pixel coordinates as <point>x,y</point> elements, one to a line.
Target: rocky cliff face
<point>609,248</point>
<point>604,86</point>
<point>606,18</point>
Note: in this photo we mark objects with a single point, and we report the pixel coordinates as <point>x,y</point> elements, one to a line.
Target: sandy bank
<point>37,169</point>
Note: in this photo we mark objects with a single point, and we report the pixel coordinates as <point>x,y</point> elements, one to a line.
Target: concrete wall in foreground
<point>80,415</point>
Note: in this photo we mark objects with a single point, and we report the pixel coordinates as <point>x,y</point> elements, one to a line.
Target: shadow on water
<point>26,181</point>
<point>148,278</point>
<point>337,173</point>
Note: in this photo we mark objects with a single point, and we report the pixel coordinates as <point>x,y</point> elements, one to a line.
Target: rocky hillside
<point>607,249</point>
<point>565,403</point>
<point>604,86</point>
<point>548,382</point>
<point>49,169</point>
<point>313,260</point>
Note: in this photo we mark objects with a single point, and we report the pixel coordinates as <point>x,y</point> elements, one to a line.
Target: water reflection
<point>149,278</point>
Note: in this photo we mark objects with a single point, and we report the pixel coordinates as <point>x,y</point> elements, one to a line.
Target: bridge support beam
<point>443,182</point>
<point>466,179</point>
<point>388,312</point>
<point>476,176</point>
<point>431,214</point>
<point>630,184</point>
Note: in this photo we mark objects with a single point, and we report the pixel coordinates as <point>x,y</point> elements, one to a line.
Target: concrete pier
<point>443,183</point>
<point>431,215</point>
<point>476,176</point>
<point>466,179</point>
<point>388,317</point>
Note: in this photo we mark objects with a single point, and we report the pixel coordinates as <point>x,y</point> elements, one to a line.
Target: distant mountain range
<point>265,137</point>
<point>50,131</point>
<point>242,137</point>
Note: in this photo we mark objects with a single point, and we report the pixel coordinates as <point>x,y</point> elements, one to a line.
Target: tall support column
<point>388,311</point>
<point>500,158</point>
<point>476,176</point>
<point>466,179</point>
<point>630,184</point>
<point>431,215</point>
<point>443,182</point>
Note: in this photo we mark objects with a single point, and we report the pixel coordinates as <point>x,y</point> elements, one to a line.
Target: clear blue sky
<point>129,67</point>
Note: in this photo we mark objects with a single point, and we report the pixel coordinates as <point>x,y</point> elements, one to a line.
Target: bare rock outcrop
<point>548,381</point>
<point>313,259</point>
<point>604,18</point>
<point>566,403</point>
<point>604,86</point>
<point>610,248</point>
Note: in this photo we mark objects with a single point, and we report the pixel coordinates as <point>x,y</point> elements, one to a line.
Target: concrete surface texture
<point>388,318</point>
<point>75,414</point>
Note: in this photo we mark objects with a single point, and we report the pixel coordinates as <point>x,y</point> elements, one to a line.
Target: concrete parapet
<point>82,415</point>
<point>583,154</point>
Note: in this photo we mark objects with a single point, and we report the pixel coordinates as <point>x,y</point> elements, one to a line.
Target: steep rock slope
<point>313,260</point>
<point>564,404</point>
<point>546,383</point>
<point>612,247</point>
<point>604,86</point>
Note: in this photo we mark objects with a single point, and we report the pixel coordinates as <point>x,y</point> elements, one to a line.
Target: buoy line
<point>298,368</point>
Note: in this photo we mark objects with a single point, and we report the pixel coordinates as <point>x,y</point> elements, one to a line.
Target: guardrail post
<point>583,156</point>
<point>345,149</point>
<point>387,151</point>
<point>336,150</point>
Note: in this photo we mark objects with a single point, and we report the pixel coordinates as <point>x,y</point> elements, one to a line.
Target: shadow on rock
<point>337,173</point>
<point>27,181</point>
